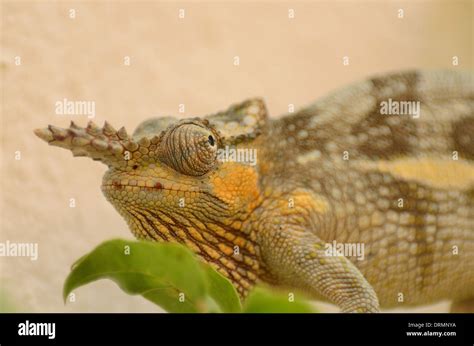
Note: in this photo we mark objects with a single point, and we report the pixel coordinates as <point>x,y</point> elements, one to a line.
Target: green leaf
<point>158,272</point>
<point>262,300</point>
<point>222,291</point>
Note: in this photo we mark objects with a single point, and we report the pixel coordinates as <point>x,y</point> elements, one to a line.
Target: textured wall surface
<point>172,61</point>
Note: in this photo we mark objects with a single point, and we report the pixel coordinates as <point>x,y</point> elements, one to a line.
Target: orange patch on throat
<point>236,184</point>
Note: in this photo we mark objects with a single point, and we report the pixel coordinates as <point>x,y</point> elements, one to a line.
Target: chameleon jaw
<point>154,185</point>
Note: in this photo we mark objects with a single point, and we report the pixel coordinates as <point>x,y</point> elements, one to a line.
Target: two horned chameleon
<point>402,186</point>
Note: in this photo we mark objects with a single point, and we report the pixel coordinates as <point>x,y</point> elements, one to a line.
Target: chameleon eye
<point>211,140</point>
<point>189,149</point>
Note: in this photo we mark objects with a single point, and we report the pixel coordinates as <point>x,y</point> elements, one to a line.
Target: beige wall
<point>173,61</point>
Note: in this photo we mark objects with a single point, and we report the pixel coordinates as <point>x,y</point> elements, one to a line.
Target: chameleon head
<point>174,187</point>
<point>171,183</point>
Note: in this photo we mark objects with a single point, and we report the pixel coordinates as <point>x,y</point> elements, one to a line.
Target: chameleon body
<point>336,172</point>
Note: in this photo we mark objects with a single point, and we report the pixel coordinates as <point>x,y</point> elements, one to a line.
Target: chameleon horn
<point>114,148</point>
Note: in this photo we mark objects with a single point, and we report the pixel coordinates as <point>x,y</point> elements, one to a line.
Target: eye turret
<point>189,148</point>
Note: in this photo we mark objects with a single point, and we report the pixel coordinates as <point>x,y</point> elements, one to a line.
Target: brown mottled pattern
<point>463,137</point>
<point>434,220</point>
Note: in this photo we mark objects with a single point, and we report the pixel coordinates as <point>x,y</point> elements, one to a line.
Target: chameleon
<point>339,171</point>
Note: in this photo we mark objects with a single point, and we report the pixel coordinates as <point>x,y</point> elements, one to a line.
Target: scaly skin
<point>335,171</point>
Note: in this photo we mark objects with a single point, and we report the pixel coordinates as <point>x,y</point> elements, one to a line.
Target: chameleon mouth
<point>117,184</point>
<point>148,185</point>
